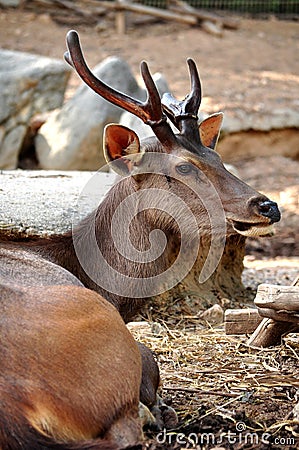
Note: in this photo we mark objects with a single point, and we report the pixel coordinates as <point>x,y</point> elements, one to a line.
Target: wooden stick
<point>280,316</point>
<point>185,8</point>
<point>156,12</point>
<point>270,332</point>
<point>199,391</point>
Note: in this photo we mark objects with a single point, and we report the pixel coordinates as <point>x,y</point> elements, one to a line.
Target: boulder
<point>47,202</point>
<point>263,119</point>
<point>10,2</point>
<point>72,137</point>
<point>29,84</point>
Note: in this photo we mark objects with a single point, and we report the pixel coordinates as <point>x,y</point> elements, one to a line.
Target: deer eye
<point>184,169</point>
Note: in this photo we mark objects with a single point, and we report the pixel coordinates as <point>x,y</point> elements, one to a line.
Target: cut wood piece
<point>241,321</point>
<point>274,302</point>
<point>276,297</point>
<point>270,332</point>
<point>280,316</point>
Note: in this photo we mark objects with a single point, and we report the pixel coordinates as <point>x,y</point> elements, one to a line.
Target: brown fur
<point>71,370</point>
<point>47,262</point>
<point>239,201</point>
<point>58,343</point>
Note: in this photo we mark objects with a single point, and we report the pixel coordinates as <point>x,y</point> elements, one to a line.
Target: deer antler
<point>150,111</point>
<point>183,113</point>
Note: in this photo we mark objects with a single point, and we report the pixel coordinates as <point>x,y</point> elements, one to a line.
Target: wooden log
<point>69,5</point>
<point>87,9</point>
<point>75,9</point>
<point>280,316</point>
<point>270,332</point>
<point>156,12</point>
<point>277,297</point>
<point>241,321</point>
<point>120,19</point>
<point>184,8</point>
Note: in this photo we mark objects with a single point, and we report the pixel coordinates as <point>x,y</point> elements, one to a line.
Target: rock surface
<point>72,137</point>
<point>10,2</point>
<point>47,202</point>
<point>30,84</point>
<point>261,119</point>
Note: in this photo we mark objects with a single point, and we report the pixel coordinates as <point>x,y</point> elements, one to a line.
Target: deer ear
<point>120,144</point>
<point>209,130</point>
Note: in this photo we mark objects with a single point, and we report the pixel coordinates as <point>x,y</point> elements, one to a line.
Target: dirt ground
<point>232,389</point>
<point>258,62</point>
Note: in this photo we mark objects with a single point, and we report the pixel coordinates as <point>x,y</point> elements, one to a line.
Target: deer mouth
<point>253,229</point>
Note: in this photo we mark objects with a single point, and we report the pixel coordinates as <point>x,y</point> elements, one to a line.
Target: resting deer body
<point>157,174</point>
<point>57,344</point>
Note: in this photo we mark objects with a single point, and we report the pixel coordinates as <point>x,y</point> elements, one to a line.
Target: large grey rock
<point>29,84</point>
<point>72,137</point>
<point>263,119</point>
<point>47,202</point>
<point>10,2</point>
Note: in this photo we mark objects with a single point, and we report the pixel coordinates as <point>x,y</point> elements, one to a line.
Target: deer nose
<point>269,209</point>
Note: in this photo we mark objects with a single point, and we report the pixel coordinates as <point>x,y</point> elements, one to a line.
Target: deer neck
<point>115,240</point>
<point>101,242</point>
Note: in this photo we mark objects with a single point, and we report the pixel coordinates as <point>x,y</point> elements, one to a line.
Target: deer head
<point>184,163</point>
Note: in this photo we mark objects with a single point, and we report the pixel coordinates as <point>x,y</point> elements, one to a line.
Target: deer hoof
<point>165,415</point>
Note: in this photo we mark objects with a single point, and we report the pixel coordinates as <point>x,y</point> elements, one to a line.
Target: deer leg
<point>164,416</point>
<point>146,417</point>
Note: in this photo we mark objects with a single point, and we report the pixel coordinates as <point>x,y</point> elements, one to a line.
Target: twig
<point>201,392</point>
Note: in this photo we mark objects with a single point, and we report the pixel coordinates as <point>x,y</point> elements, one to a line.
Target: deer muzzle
<point>270,210</point>
<point>264,214</point>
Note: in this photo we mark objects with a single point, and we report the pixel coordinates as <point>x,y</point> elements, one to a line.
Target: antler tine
<point>193,100</point>
<point>76,59</point>
<point>150,111</point>
<point>153,103</point>
<point>178,111</point>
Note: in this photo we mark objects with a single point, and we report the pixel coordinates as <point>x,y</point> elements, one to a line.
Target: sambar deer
<point>174,190</point>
